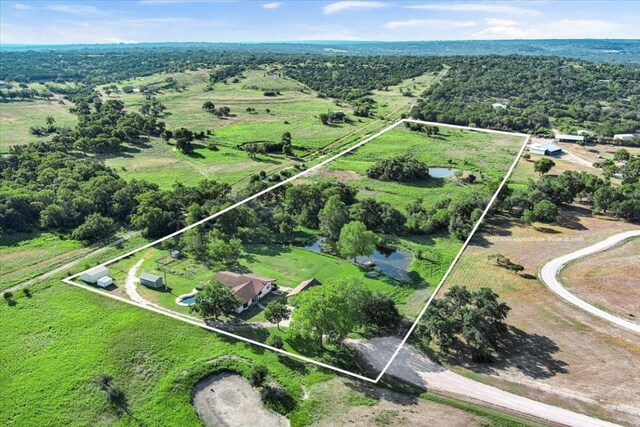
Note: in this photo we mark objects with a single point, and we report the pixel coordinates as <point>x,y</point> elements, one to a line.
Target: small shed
<point>175,254</point>
<point>93,274</point>
<point>151,280</point>
<point>104,282</point>
<point>545,149</point>
<point>304,286</point>
<point>569,138</point>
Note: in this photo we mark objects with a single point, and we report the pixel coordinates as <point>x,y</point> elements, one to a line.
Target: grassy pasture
<point>296,105</point>
<point>488,156</point>
<point>162,164</point>
<point>17,117</point>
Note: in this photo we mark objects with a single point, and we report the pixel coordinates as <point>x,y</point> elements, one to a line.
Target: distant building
<point>249,288</point>
<point>545,149</point>
<point>104,282</point>
<point>625,136</point>
<point>94,274</point>
<point>175,254</point>
<point>585,132</point>
<point>151,281</point>
<point>499,105</point>
<point>569,138</point>
<point>304,286</point>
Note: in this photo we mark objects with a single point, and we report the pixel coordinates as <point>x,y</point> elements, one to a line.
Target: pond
<point>188,300</point>
<point>394,263</point>
<point>442,172</point>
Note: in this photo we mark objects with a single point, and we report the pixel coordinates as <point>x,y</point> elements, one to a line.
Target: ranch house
<point>249,288</point>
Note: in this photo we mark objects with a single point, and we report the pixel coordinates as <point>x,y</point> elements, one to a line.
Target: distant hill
<point>615,51</point>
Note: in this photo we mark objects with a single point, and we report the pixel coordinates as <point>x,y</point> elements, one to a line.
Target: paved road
<point>549,276</point>
<point>414,367</point>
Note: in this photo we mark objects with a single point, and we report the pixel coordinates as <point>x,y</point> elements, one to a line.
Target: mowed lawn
<point>160,163</point>
<point>17,117</point>
<point>296,110</point>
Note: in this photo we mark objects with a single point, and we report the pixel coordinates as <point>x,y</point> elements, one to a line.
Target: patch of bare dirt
<point>609,280</point>
<point>228,400</point>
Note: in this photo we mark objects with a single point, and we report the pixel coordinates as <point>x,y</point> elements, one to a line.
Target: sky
<point>138,21</point>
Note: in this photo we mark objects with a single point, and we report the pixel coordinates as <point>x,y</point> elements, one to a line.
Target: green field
<point>17,117</point>
<point>487,156</point>
<point>159,163</point>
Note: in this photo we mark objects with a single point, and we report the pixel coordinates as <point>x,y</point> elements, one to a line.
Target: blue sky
<point>130,21</point>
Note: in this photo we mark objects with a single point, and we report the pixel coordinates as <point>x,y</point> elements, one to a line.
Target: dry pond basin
<point>229,400</point>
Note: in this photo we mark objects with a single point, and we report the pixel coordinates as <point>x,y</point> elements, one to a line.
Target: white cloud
<point>21,6</point>
<point>429,23</point>
<point>274,5</point>
<point>560,29</point>
<point>339,6</point>
<point>76,9</point>
<point>477,7</point>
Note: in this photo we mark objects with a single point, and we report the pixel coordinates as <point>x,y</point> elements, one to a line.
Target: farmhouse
<point>151,281</point>
<point>94,274</point>
<point>304,286</point>
<point>249,288</point>
<point>545,149</point>
<point>569,138</point>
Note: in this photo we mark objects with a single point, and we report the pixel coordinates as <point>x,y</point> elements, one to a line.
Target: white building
<point>499,105</point>
<point>545,149</point>
<point>104,282</point>
<point>569,138</point>
<point>92,275</point>
<point>624,136</point>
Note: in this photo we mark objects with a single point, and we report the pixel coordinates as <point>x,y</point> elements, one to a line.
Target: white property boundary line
<point>188,319</point>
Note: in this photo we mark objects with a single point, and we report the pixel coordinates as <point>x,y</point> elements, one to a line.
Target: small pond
<point>394,263</point>
<point>442,172</point>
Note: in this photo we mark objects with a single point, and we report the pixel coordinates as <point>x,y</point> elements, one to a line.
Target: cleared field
<point>23,256</point>
<point>297,105</point>
<point>610,279</point>
<point>557,354</point>
<point>162,164</point>
<point>18,116</point>
<point>487,156</point>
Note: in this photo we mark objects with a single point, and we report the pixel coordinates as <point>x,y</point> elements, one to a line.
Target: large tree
<point>331,311</point>
<point>356,240</point>
<point>333,216</point>
<point>543,165</point>
<point>214,300</point>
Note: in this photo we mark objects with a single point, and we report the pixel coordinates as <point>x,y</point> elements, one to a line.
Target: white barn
<point>545,149</point>
<point>624,136</point>
<point>569,138</point>
<point>94,274</point>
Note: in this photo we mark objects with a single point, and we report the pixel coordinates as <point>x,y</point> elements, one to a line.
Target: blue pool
<point>188,300</point>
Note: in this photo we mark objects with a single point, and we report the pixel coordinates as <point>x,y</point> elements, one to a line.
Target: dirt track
<point>415,368</point>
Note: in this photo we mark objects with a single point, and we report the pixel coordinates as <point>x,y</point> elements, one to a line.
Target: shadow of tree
<point>531,354</point>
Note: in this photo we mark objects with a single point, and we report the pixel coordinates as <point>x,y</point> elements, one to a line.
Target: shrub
<point>275,341</point>
<point>258,375</point>
<point>402,169</point>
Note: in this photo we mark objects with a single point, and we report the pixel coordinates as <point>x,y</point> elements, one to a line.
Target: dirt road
<point>549,276</point>
<point>414,367</point>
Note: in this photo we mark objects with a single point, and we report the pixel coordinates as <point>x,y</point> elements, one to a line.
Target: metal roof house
<point>92,275</point>
<point>151,281</point>
<point>624,136</point>
<point>545,149</point>
<point>569,138</point>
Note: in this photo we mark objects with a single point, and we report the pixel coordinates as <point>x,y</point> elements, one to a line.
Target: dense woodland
<point>57,185</point>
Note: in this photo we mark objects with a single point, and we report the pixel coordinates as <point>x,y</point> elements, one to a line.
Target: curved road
<point>550,271</point>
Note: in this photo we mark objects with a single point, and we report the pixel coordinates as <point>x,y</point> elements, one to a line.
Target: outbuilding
<point>624,136</point>
<point>545,149</point>
<point>151,281</point>
<point>569,138</point>
<point>93,274</point>
<point>304,286</point>
<point>175,254</point>
<point>499,105</point>
<point>104,282</point>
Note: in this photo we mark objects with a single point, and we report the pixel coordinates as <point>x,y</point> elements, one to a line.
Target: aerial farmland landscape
<point>319,213</point>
